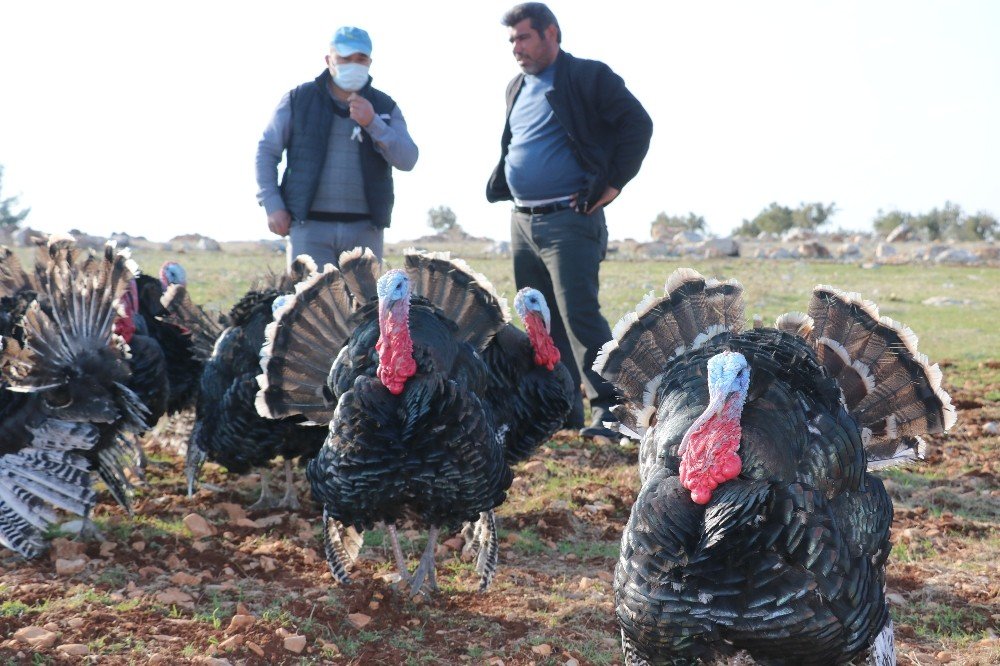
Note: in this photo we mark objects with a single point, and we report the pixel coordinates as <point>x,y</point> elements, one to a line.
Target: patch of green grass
<point>958,624</point>
<point>586,550</point>
<point>906,552</point>
<point>527,543</point>
<point>113,576</point>
<point>14,609</point>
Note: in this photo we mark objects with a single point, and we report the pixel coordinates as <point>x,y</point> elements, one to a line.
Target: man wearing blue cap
<point>342,138</point>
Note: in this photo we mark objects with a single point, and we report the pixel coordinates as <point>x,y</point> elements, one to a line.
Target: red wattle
<point>546,352</point>
<point>711,457</point>
<point>395,350</point>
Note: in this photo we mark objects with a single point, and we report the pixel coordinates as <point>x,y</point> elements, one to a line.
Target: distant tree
<point>666,225</point>
<point>884,223</point>
<point>947,223</point>
<point>441,219</point>
<point>10,220</point>
<point>981,226</point>
<point>777,219</point>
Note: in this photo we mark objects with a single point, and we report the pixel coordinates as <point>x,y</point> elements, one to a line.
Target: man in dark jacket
<point>342,137</point>
<point>574,137</point>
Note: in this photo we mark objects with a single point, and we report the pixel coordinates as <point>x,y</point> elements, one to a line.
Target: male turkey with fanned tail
<point>228,430</point>
<point>758,528</point>
<point>65,407</point>
<point>394,366</point>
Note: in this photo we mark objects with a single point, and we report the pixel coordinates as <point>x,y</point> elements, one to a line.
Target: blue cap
<point>349,40</point>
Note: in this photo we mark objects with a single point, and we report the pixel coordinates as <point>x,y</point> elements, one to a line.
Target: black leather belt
<point>544,209</point>
<point>319,216</point>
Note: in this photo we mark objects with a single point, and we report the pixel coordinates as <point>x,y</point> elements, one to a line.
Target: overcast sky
<point>144,118</point>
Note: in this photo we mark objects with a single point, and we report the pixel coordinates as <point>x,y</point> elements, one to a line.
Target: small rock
<point>534,468</point>
<point>295,644</point>
<point>373,605</point>
<point>454,543</point>
<point>66,549</point>
<point>331,647</point>
<point>36,637</point>
<point>107,548</point>
<point>944,657</point>
<point>174,595</point>
<point>246,522</point>
<point>256,649</point>
<point>571,662</point>
<point>268,564</point>
<point>75,622</point>
<point>73,649</point>
<point>184,578</point>
<point>895,599</point>
<point>50,626</point>
<point>240,622</point>
<point>233,511</point>
<point>70,567</point>
<point>199,526</point>
<point>991,428</point>
<point>158,660</point>
<point>542,650</point>
<point>586,583</point>
<point>270,521</point>
<point>139,546</point>
<point>150,572</point>
<point>359,620</point>
<point>606,576</point>
<point>231,643</point>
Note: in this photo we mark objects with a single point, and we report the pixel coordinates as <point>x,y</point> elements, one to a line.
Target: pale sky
<point>144,118</point>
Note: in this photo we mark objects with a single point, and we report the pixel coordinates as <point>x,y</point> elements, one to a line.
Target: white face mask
<point>351,76</point>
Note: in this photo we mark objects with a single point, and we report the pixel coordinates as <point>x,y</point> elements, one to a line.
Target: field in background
<point>157,588</point>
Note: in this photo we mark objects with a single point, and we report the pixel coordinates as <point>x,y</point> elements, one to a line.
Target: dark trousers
<point>560,255</point>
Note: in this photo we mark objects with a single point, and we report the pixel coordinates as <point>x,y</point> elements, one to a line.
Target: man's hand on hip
<point>609,195</point>
<point>279,222</point>
<point>362,111</point>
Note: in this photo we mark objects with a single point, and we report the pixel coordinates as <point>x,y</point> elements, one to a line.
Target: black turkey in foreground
<point>394,367</point>
<point>65,409</point>
<point>228,430</point>
<point>758,528</point>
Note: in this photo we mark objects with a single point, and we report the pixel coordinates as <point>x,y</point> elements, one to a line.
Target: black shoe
<point>595,431</point>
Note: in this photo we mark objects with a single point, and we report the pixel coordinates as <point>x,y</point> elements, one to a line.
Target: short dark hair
<point>539,13</point>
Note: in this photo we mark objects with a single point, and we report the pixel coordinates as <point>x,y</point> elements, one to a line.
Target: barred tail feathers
<point>300,346</point>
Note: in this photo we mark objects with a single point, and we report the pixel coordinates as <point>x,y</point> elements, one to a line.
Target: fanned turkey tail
<point>182,311</point>
<point>463,295</point>
<point>300,345</point>
<point>692,311</point>
<point>890,388</point>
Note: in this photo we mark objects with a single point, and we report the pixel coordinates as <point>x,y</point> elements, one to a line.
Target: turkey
<point>393,367</point>
<point>180,310</point>
<point>227,428</point>
<point>183,365</point>
<point>147,363</point>
<point>759,528</point>
<point>529,389</point>
<point>65,408</point>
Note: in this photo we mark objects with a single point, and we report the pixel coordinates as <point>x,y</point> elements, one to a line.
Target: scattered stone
<point>256,649</point>
<point>454,543</point>
<point>606,576</point>
<point>991,428</point>
<point>542,650</point>
<point>158,660</point>
<point>240,622</point>
<point>231,643</point>
<point>107,548</point>
<point>895,599</point>
<point>36,637</point>
<point>198,526</point>
<point>295,644</point>
<point>270,521</point>
<point>571,662</point>
<point>174,595</point>
<point>211,661</point>
<point>70,567</point>
<point>73,649</point>
<point>246,522</point>
<point>359,620</point>
<point>233,511</point>
<point>174,562</point>
<point>75,622</point>
<point>534,468</point>
<point>330,647</point>
<point>139,546</point>
<point>67,549</point>
<point>184,578</point>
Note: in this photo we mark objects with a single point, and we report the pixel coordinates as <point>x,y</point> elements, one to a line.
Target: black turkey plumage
<point>758,527</point>
<point>65,408</point>
<point>529,389</point>
<point>227,428</point>
<point>409,434</point>
<point>183,364</point>
<point>204,327</point>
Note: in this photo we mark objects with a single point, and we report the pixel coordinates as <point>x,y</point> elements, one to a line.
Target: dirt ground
<point>202,580</point>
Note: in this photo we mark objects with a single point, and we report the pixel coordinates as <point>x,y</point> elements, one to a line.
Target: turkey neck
<point>395,346</point>
<point>545,350</point>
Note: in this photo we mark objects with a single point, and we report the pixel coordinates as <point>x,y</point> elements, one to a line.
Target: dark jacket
<point>608,129</point>
<point>313,112</point>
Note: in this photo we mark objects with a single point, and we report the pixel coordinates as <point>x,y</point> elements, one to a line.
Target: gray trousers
<point>324,241</point>
<point>560,255</point>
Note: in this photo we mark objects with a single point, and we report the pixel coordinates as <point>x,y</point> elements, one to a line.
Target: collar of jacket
<point>563,63</point>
